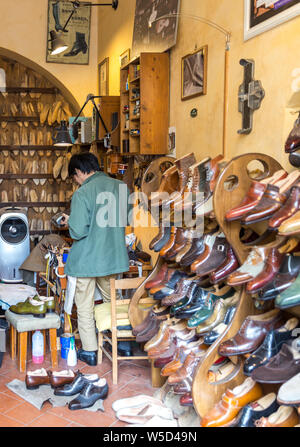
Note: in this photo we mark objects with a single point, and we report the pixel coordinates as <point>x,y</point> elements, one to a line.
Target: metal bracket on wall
<point>251,94</point>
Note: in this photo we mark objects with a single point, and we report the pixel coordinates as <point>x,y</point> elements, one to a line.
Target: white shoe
<point>136,401</point>
<point>141,415</point>
<point>156,421</point>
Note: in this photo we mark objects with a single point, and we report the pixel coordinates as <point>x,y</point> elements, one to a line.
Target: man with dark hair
<point>99,251</point>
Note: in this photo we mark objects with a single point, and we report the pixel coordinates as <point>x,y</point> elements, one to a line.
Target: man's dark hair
<point>85,162</point>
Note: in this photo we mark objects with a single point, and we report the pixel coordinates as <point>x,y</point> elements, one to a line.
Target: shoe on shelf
<point>283,417</point>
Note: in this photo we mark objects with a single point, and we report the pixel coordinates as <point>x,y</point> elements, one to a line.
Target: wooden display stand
<point>206,394</point>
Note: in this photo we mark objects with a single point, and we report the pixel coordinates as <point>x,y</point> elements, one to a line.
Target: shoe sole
<point>35,315</point>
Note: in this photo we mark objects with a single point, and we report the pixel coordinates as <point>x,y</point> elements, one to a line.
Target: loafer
<point>225,411</point>
<point>270,346</point>
<point>263,407</point>
<point>89,395</point>
<point>280,368</point>
<point>36,378</point>
<point>283,417</point>
<point>77,385</point>
<point>89,357</point>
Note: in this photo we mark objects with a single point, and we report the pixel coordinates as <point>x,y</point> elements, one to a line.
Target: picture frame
<point>258,18</point>
<point>194,74</point>
<point>77,37</point>
<point>125,57</point>
<point>103,77</point>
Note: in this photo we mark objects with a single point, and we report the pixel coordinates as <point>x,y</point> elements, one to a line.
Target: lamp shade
<point>62,137</point>
<point>57,44</point>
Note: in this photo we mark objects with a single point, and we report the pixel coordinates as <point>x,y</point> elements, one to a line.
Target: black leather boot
<point>55,12</point>
<point>78,46</point>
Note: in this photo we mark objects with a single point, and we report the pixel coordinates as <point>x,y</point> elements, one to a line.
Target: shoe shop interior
<point>149,214</point>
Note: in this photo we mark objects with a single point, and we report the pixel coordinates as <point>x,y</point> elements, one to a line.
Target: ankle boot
<point>78,46</point>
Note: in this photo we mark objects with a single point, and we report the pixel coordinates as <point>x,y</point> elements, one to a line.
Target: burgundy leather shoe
<point>253,196</point>
<point>230,264</point>
<point>272,266</point>
<point>293,141</point>
<point>159,278</point>
<point>291,206</point>
<point>251,333</point>
<point>186,400</point>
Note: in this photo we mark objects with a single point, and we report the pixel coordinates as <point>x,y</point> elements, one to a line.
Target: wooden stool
<point>21,325</point>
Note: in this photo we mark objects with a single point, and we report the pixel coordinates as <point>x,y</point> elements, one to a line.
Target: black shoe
<point>122,352</point>
<point>89,395</point>
<point>78,46</point>
<point>89,357</point>
<point>77,385</point>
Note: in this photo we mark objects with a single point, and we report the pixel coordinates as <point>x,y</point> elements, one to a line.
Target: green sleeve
<point>79,220</point>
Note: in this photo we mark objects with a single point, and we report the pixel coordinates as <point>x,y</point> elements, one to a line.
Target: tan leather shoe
<point>225,411</point>
<point>283,417</point>
<point>290,226</point>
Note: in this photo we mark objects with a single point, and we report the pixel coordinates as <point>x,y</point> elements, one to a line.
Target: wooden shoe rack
<point>31,107</point>
<point>205,394</point>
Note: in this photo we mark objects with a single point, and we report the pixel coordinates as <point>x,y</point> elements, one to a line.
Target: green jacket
<point>99,248</point>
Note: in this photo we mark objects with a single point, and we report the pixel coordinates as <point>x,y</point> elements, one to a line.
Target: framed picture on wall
<point>76,36</point>
<point>155,26</point>
<point>194,74</point>
<point>263,15</point>
<point>103,76</point>
<point>125,58</point>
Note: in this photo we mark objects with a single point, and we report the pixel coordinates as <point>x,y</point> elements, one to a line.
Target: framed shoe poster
<point>76,35</point>
<point>262,15</point>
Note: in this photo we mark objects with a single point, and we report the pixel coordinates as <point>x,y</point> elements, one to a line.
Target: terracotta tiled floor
<point>134,379</point>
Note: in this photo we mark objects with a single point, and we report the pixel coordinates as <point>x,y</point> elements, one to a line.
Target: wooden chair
<point>117,335</point>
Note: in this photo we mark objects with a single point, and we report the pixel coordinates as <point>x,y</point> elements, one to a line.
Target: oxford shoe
<point>196,249</point>
<point>253,196</point>
<point>252,267</point>
<point>270,346</point>
<point>77,385</point>
<point>180,241</point>
<point>170,286</point>
<point>218,314</point>
<point>271,268</point>
<point>292,143</point>
<point>230,265</point>
<point>89,395</point>
<point>159,278</point>
<point>188,367</point>
<point>283,417</point>
<point>186,300</point>
<point>251,333</point>
<point>180,356</point>
<point>185,288</point>
<point>254,411</point>
<point>291,206</point>
<point>198,300</point>
<point>166,282</point>
<point>287,274</point>
<point>226,410</point>
<point>290,297</point>
<point>272,200</point>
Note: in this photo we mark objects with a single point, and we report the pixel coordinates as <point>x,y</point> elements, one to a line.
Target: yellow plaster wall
<point>24,31</point>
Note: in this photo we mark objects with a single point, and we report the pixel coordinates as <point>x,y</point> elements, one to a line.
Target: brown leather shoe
<point>180,355</point>
<point>293,140</point>
<point>225,411</point>
<point>291,226</point>
<point>213,256</point>
<point>186,400</point>
<point>186,248</point>
<point>181,291</point>
<point>251,268</point>
<point>180,241</point>
<point>272,200</point>
<point>283,417</point>
<point>170,243</point>
<point>169,184</point>
<point>272,267</point>
<point>171,339</point>
<point>159,278</point>
<point>36,378</point>
<point>196,249</point>
<point>291,206</point>
<point>186,371</point>
<point>253,196</point>
<point>162,284</point>
<point>157,313</point>
<point>61,378</point>
<point>230,265</point>
<point>251,333</point>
